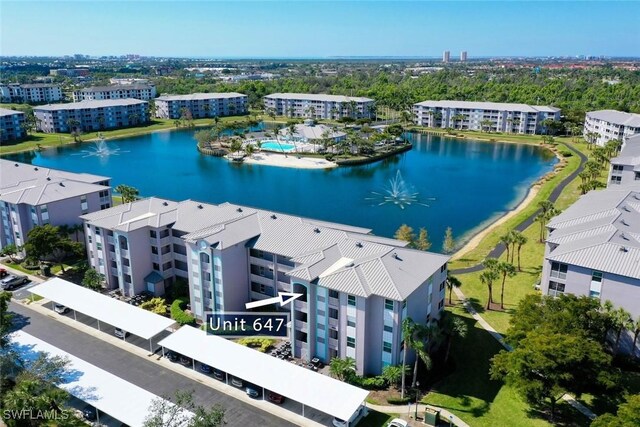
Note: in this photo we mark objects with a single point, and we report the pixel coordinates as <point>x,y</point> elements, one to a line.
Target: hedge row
<point>179,315</point>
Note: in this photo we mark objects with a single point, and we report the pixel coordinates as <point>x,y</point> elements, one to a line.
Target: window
<point>320,340</point>
<point>386,347</point>
<point>388,304</point>
<point>153,234</point>
<point>164,233</point>
<point>154,250</point>
<point>321,312</point>
<point>333,313</point>
<point>388,328</point>
<point>97,231</point>
<point>558,271</point>
<point>596,284</point>
<point>44,213</point>
<point>443,268</point>
<point>99,246</point>
<point>83,204</point>
<point>637,176</point>
<point>351,342</point>
<point>333,294</point>
<point>555,288</point>
<point>204,258</point>
<point>333,334</point>
<point>441,304</point>
<point>616,179</point>
<point>179,249</point>
<point>351,321</point>
<point>442,285</point>
<point>351,300</point>
<point>166,266</point>
<point>262,289</point>
<point>165,249</point>
<point>181,265</point>
<point>320,298</point>
<point>321,326</point>
<point>156,266</point>
<point>617,168</point>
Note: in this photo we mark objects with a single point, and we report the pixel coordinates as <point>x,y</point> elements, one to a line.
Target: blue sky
<point>319,28</point>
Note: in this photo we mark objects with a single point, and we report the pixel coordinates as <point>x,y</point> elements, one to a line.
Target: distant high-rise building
<point>446,56</point>
<point>463,56</point>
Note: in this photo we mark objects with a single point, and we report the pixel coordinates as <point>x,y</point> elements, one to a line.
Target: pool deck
<point>289,161</point>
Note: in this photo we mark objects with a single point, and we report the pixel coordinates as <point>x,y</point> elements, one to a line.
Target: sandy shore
<point>475,241</point>
<point>290,161</point>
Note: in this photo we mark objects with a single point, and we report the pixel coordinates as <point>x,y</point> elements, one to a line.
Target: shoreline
<point>289,161</point>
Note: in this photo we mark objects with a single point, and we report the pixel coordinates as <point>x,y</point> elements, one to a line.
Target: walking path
<point>444,414</point>
<point>499,249</point>
<point>487,327</point>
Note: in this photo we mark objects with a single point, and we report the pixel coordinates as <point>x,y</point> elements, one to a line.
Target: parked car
<point>173,356</point>
<point>185,361</point>
<point>3,272</point>
<point>13,281</point>
<point>252,392</point>
<point>397,422</point>
<point>60,309</point>
<point>275,398</point>
<point>120,333</point>
<point>219,375</point>
<point>89,413</point>
<point>339,422</point>
<point>205,368</point>
<point>236,382</point>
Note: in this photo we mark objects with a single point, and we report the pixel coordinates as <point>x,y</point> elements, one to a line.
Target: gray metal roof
<point>7,112</point>
<point>616,117</point>
<point>124,87</point>
<point>600,231</point>
<point>201,96</point>
<point>499,106</point>
<point>630,153</point>
<point>96,103</point>
<point>318,97</point>
<point>337,256</point>
<point>39,85</point>
<point>35,185</point>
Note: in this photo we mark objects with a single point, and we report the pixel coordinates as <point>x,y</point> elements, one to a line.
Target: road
<point>136,370</point>
<point>499,249</point>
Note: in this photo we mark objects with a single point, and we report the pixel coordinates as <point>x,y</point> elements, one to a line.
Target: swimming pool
<point>271,145</point>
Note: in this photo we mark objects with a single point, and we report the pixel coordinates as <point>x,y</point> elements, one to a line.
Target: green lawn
<point>19,267</point>
<point>376,419</point>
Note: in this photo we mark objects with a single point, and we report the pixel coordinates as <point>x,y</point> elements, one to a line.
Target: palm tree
<point>636,333</point>
<point>519,240</point>
<point>342,369</point>
<point>458,118</point>
<point>128,193</point>
<point>334,112</point>
<point>506,269</point>
<point>405,116</point>
<point>249,149</point>
<point>486,123</point>
<point>487,277</point>
<point>452,282</point>
<point>451,328</point>
<point>507,240</point>
<point>408,331</point>
<point>621,320</point>
<point>393,374</point>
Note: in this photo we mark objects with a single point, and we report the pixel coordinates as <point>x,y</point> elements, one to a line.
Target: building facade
<point>493,116</point>
<point>593,249</point>
<point>319,106</point>
<point>11,125</point>
<point>625,168</point>
<point>608,125</point>
<point>31,93</point>
<point>202,105</point>
<point>33,195</point>
<point>87,116</point>
<point>356,288</point>
<point>144,92</point>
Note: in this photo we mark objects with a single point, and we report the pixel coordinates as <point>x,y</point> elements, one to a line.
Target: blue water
<point>274,146</point>
<point>470,182</point>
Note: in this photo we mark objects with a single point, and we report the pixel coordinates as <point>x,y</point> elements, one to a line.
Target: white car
<point>60,309</point>
<point>338,422</point>
<point>397,422</point>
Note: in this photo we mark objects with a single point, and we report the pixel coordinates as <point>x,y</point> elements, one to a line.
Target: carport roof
<point>106,309</point>
<point>108,393</point>
<point>310,388</point>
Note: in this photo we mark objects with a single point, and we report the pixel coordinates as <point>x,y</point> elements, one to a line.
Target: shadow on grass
<point>375,419</point>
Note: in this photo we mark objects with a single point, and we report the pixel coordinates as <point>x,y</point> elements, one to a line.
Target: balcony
<point>261,279</point>
<point>301,325</point>
<point>300,305</point>
<point>333,343</point>
<point>334,302</point>
<point>301,345</point>
<point>110,240</point>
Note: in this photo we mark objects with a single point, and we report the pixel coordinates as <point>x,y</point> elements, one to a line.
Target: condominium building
<point>90,116</point>
<point>30,93</point>
<point>319,106</point>
<point>625,168</point>
<point>446,56</point>
<point>593,248</point>
<point>33,195</point>
<point>356,288</point>
<point>11,125</point>
<point>610,124</point>
<point>201,105</point>
<point>143,92</point>
<point>463,56</point>
<point>493,116</point>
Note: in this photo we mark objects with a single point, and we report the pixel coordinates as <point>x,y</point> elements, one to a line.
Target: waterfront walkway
<point>499,249</point>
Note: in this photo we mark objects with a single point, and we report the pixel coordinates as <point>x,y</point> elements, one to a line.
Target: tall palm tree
<point>621,320</point>
<point>486,123</point>
<point>488,277</point>
<point>458,118</point>
<point>636,333</point>
<point>507,240</point>
<point>452,282</point>
<point>519,240</point>
<point>506,269</point>
<point>451,328</point>
<point>408,332</point>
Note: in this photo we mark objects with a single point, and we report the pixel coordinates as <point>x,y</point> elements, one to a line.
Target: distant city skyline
<point>320,29</point>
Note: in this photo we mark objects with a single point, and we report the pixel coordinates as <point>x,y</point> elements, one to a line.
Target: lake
<point>443,182</point>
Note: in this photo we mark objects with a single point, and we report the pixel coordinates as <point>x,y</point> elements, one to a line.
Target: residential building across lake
<point>30,93</point>
<point>611,125</point>
<point>144,92</point>
<point>11,125</point>
<point>201,105</point>
<point>319,106</point>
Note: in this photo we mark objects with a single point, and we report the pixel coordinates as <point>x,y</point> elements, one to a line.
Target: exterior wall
<point>522,122</point>
<point>622,174</point>
<point>323,109</point>
<point>11,126</point>
<point>607,130</point>
<point>31,94</point>
<point>92,119</point>
<point>202,108</point>
<point>234,272</point>
<point>145,93</point>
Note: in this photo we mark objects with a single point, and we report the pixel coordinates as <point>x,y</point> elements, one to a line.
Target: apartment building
<point>625,168</point>
<point>593,248</point>
<point>30,93</point>
<point>202,105</point>
<point>356,288</point>
<point>319,106</point>
<point>90,116</point>
<point>11,125</point>
<point>33,195</point>
<point>493,116</point>
<point>611,124</point>
<point>144,92</point>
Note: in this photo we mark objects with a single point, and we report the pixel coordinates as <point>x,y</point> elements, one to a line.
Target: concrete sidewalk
<point>397,409</point>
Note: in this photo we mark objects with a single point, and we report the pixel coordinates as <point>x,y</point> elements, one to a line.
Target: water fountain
<point>399,193</point>
<point>101,149</point>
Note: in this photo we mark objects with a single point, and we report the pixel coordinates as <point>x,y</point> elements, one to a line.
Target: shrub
<point>370,383</point>
<point>261,344</point>
<point>566,153</point>
<point>179,315</point>
<point>398,400</point>
<point>155,305</point>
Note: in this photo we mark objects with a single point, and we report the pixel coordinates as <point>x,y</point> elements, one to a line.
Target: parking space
<point>23,291</point>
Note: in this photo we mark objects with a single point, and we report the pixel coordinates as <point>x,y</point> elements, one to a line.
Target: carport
<point>311,389</point>
<point>106,392</point>
<point>105,309</point>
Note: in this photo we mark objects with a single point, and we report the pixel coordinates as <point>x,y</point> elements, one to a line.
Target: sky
<point>317,29</point>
